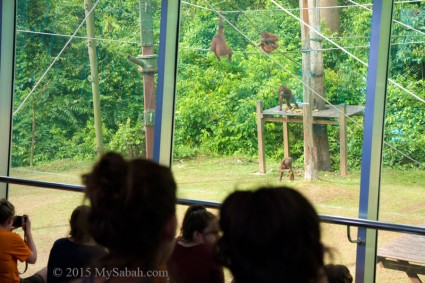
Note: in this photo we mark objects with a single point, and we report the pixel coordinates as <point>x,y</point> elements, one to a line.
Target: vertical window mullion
<point>376,94</point>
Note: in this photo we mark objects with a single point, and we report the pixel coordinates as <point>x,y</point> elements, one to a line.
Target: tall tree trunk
<point>88,4</point>
<point>330,16</point>
<point>310,155</point>
<point>34,104</point>
<point>320,132</point>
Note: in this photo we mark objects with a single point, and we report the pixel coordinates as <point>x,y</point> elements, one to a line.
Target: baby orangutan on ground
<point>286,165</point>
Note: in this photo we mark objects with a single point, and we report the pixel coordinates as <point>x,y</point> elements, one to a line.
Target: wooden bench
<point>406,253</point>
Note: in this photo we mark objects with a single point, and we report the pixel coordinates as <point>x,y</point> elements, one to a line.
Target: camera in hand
<point>18,220</point>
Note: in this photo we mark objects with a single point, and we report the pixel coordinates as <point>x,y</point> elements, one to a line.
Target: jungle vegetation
<point>215,105</point>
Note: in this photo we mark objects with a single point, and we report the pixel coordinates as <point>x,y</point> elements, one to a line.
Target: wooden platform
<point>406,253</point>
<point>336,115</point>
<point>330,112</point>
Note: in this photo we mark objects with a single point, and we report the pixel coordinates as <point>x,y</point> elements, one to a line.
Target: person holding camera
<point>13,247</point>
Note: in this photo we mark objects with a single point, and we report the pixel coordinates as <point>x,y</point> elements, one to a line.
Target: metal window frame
<point>167,81</point>
<point>376,95</point>
<point>7,59</point>
<point>170,12</point>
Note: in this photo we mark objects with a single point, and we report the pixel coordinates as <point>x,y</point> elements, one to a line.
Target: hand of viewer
<point>26,224</point>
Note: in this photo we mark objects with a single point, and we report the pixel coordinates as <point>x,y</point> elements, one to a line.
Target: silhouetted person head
<point>199,225</point>
<point>270,235</point>
<point>133,210</point>
<point>7,212</point>
<point>338,273</point>
<point>79,223</point>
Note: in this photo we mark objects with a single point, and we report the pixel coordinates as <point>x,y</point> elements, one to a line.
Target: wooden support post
<point>260,134</point>
<point>310,153</point>
<point>286,152</point>
<point>343,140</point>
<point>414,277</point>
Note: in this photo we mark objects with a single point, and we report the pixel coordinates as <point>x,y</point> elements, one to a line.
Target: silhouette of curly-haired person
<point>193,258</point>
<point>271,235</point>
<point>338,273</point>
<point>133,206</point>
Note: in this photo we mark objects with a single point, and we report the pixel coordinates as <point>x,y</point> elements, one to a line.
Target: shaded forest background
<point>215,107</point>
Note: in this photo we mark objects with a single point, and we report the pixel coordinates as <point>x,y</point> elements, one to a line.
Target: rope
<point>80,37</point>
<point>312,90</point>
<point>56,59</point>
<point>343,49</point>
<point>295,9</point>
<point>398,22</point>
<point>259,31</point>
<point>194,48</point>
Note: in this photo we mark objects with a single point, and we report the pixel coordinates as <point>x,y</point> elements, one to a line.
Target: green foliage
<point>129,140</point>
<point>216,100</point>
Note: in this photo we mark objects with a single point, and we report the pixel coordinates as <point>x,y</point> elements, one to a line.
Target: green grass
<point>213,179</point>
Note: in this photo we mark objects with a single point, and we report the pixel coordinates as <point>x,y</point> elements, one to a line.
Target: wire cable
<point>312,90</point>
<point>268,11</point>
<point>194,48</point>
<point>295,9</point>
<point>56,59</point>
<point>80,37</point>
<point>398,22</point>
<point>260,31</point>
<point>344,50</point>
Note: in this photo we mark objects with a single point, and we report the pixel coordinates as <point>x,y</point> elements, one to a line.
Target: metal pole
<point>148,76</point>
<point>148,66</point>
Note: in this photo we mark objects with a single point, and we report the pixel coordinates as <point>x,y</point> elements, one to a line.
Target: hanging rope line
<point>289,72</point>
<point>240,51</point>
<point>312,90</point>
<point>409,1</point>
<point>268,11</point>
<point>56,59</point>
<point>299,51</point>
<point>79,37</point>
<point>398,22</point>
<point>344,50</point>
<point>260,31</point>
<point>297,9</point>
<point>197,6</point>
<point>252,42</point>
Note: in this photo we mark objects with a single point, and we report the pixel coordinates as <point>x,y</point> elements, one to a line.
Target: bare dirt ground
<point>401,201</point>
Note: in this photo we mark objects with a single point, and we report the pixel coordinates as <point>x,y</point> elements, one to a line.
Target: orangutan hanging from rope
<point>268,42</point>
<point>218,44</point>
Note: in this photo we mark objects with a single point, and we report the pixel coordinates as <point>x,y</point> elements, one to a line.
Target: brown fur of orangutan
<point>268,42</point>
<point>286,165</point>
<point>285,93</point>
<point>218,44</point>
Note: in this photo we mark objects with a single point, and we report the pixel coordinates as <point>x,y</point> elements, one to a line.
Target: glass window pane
<point>404,157</point>
<point>401,198</point>
<point>216,146</point>
<point>77,90</point>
